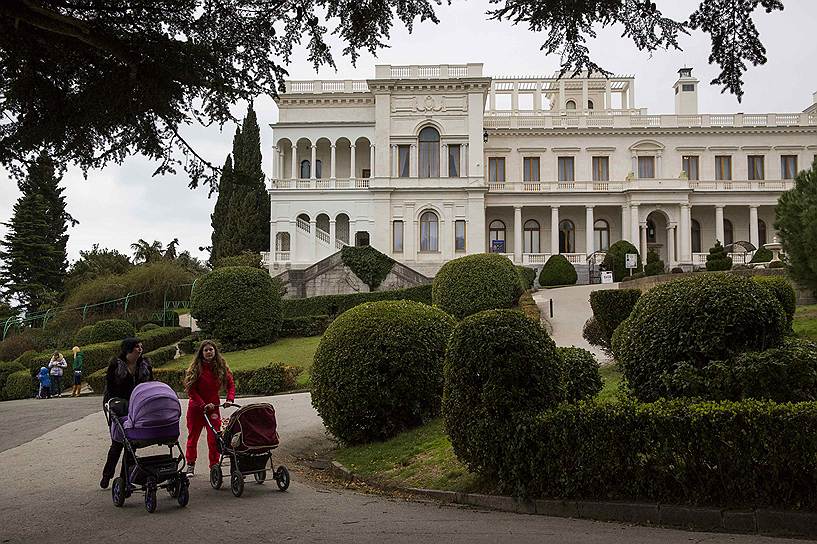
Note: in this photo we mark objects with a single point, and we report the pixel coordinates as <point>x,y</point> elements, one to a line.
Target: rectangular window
<point>688,87</point>
<point>723,168</point>
<point>531,165</point>
<point>788,166</point>
<point>496,169</point>
<point>397,237</point>
<point>690,166</point>
<point>454,160</point>
<point>601,168</point>
<point>459,235</point>
<point>566,169</point>
<point>366,173</point>
<point>756,167</point>
<point>403,160</point>
<point>646,167</point>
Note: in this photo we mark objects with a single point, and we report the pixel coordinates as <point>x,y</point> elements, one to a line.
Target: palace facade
<point>428,163</point>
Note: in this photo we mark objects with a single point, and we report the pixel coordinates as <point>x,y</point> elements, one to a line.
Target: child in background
<point>45,384</point>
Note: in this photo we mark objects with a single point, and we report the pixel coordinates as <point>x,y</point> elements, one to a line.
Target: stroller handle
<point>223,405</point>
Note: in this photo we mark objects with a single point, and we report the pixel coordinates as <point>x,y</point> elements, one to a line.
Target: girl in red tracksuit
<point>205,377</point>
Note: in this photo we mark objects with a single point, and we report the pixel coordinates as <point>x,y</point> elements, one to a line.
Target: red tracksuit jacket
<point>206,389</point>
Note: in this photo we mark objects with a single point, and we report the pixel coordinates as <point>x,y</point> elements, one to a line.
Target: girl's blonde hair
<point>194,370</point>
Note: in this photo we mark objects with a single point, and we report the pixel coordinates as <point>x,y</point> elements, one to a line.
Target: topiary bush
<point>558,271</point>
<point>527,276</point>
<point>239,305</point>
<point>109,330</point>
<point>783,291</point>
<point>594,334</point>
<point>266,380</point>
<point>611,307</point>
<point>718,259</point>
<point>580,374</point>
<point>776,264</point>
<point>7,369</point>
<point>378,369</point>
<point>475,283</point>
<point>84,335</point>
<point>246,258</point>
<point>616,260</point>
<point>694,320</point>
<point>499,364</point>
<point>19,385</point>
<point>148,327</point>
<point>762,255</point>
<point>368,264</point>
<point>654,264</point>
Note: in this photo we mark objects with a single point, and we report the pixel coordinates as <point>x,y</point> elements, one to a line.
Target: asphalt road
<point>49,493</point>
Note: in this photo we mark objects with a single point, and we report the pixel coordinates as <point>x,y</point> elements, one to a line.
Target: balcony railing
<point>319,184</point>
<point>743,185</point>
<point>617,186</point>
<point>535,258</point>
<point>322,87</point>
<point>631,119</point>
<point>699,259</point>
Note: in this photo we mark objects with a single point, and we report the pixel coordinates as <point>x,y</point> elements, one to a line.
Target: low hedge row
<point>529,307</point>
<point>311,325</point>
<point>333,305</point>
<point>267,380</point>
<point>736,454</point>
<point>161,356</point>
<point>19,385</point>
<point>527,276</point>
<point>6,370</point>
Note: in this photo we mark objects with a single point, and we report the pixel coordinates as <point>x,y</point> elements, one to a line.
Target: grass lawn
<point>423,457</point>
<point>805,322</point>
<point>290,351</point>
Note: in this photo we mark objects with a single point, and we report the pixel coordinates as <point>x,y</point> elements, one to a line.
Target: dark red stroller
<point>247,440</point>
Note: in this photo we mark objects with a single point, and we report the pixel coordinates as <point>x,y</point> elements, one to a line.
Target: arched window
<point>728,233</point>
<point>531,239</point>
<point>570,105</point>
<point>589,104</point>
<point>567,237</point>
<point>496,236</point>
<point>282,241</point>
<point>429,230</point>
<point>651,239</point>
<point>761,232</point>
<point>318,169</point>
<point>322,222</point>
<point>429,153</point>
<point>305,169</point>
<point>303,222</point>
<point>696,237</point>
<point>601,230</point>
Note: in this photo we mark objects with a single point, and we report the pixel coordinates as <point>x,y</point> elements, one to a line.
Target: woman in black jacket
<point>125,372</point>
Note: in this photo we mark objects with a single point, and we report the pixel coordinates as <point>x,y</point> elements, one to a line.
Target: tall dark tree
<point>34,258</point>
<point>219,218</point>
<point>249,212</point>
<point>796,221</point>
<point>98,80</point>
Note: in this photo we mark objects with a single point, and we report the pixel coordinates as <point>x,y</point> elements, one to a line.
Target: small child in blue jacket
<point>45,384</point>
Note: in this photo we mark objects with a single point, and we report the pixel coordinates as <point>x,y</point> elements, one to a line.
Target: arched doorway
<point>657,241</point>
<point>567,236</point>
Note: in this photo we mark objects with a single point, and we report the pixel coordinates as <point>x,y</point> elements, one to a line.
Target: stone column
<point>352,167</point>
<point>659,165</point>
<point>554,230</point>
<point>517,234</point>
<point>608,96</point>
<point>685,239</point>
<point>313,234</point>
<point>754,235</point>
<point>585,96</point>
<point>643,248</point>
<point>332,162</point>
<point>590,235</point>
<point>332,232</point>
<point>635,236</point>
<point>273,232</point>
<point>275,164</point>
<point>464,161</point>
<point>561,95</point>
<point>625,222</point>
<point>444,160</point>
<point>631,93</point>
<point>719,223</point>
<point>671,260</point>
<point>409,235</point>
<point>295,173</point>
<point>414,161</point>
<point>395,168</point>
<point>313,166</point>
<point>372,155</point>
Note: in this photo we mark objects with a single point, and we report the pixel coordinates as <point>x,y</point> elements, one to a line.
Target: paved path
<point>49,493</point>
<point>571,308</point>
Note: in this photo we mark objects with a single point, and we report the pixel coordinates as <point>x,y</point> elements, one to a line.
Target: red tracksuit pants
<point>195,423</point>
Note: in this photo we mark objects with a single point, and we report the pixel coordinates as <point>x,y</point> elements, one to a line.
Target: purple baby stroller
<point>151,418</point>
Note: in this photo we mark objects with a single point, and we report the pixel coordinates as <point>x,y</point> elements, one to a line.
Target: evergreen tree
<point>249,204</point>
<point>718,259</point>
<point>796,222</point>
<point>34,258</point>
<point>94,263</point>
<point>219,219</point>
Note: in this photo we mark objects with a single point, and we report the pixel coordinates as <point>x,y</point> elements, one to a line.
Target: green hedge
<point>239,305</point>
<point>474,283</point>
<point>313,325</point>
<point>558,271</point>
<point>161,356</point>
<point>368,264</point>
<point>718,259</point>
<point>246,258</point>
<point>333,305</point>
<point>611,307</point>
<point>580,374</point>
<point>148,327</point>
<point>745,454</point>
<point>109,330</point>
<point>783,291</point>
<point>762,255</point>
<point>616,260</point>
<point>19,385</point>
<point>6,369</point>
<point>655,265</point>
<point>527,276</point>
<point>84,336</point>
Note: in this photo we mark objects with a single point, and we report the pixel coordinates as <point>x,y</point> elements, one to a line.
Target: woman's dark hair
<point>128,345</point>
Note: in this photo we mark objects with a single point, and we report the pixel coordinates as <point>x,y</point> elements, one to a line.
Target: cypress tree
<point>219,219</point>
<point>34,255</point>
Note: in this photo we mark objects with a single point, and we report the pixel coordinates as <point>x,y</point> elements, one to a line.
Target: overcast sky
<point>120,204</point>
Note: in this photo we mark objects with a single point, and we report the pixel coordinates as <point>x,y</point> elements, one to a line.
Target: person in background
<point>78,357</point>
<point>56,367</point>
<point>45,383</point>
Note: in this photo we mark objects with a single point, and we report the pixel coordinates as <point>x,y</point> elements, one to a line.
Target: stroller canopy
<point>256,427</point>
<point>154,412</point>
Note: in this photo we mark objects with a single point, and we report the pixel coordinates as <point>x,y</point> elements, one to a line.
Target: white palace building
<point>428,163</point>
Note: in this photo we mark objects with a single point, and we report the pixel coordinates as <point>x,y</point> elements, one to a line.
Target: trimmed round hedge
<point>238,305</point>
<point>558,271</point>
<point>84,335</point>
<point>783,290</point>
<point>109,330</point>
<point>580,374</point>
<point>611,307</point>
<point>378,369</point>
<point>616,260</point>
<point>694,320</point>
<point>527,276</point>
<point>499,364</point>
<point>475,283</point>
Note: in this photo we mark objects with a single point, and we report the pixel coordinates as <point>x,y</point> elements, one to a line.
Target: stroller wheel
<point>118,492</point>
<point>184,493</point>
<point>173,489</point>
<point>260,477</point>
<point>237,483</point>
<point>150,500</point>
<point>282,478</point>
<point>216,478</point>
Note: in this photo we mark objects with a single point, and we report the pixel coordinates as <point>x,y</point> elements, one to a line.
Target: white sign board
<point>607,277</point>
<point>631,260</point>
